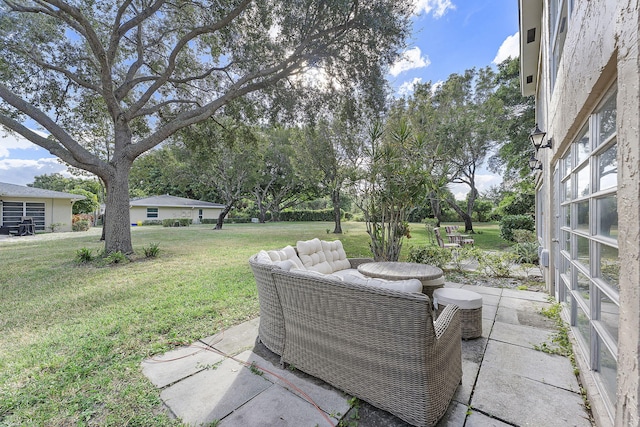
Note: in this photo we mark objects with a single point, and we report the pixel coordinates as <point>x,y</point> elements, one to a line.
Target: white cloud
<point>510,48</point>
<point>484,182</point>
<point>406,88</point>
<point>13,141</point>
<point>435,86</point>
<point>16,169</point>
<point>409,60</point>
<point>438,7</point>
<point>22,171</point>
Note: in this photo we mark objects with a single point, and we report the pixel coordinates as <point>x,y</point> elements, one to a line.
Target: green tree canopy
<point>111,80</point>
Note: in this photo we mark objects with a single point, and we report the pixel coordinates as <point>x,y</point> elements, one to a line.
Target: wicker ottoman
<point>470,304</point>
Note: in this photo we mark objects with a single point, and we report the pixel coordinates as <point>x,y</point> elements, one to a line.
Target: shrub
<point>466,255</point>
<point>116,258</point>
<point>152,222</point>
<point>509,223</point>
<point>54,226</point>
<point>176,222</point>
<point>432,255</point>
<point>430,224</point>
<point>152,250</point>
<point>524,236</point>
<point>81,225</point>
<point>84,255</point>
<point>497,264</point>
<point>308,215</point>
<point>526,253</point>
<point>81,222</point>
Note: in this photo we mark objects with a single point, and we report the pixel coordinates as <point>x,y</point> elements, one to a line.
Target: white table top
<point>400,270</point>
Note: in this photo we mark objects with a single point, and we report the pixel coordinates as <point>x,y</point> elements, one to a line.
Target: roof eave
<point>530,12</point>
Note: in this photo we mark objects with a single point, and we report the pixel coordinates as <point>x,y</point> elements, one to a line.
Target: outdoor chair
<point>441,242</point>
<point>456,237</point>
<point>26,227</point>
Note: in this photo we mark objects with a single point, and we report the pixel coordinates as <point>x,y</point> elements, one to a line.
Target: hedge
<point>311,215</point>
<point>181,222</point>
<point>509,223</point>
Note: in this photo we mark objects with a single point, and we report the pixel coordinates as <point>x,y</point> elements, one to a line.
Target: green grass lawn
<point>73,336</point>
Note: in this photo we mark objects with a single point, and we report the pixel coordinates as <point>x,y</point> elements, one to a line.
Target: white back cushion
<point>263,258</point>
<point>336,256</point>
<point>286,254</point>
<point>313,257</point>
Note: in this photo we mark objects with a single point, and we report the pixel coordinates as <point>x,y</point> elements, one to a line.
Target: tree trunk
<point>471,201</point>
<point>117,221</point>
<point>468,223</point>
<point>222,216</point>
<point>262,209</point>
<point>337,213</point>
<point>436,208</point>
<point>104,219</point>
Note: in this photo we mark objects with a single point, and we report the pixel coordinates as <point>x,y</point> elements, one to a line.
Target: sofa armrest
<point>355,262</point>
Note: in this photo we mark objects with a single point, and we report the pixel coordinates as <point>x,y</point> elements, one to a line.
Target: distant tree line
<point>348,158</point>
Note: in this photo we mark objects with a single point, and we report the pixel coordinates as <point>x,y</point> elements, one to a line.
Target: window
<point>589,263</point>
<point>12,213</point>
<point>559,15</point>
<point>152,213</point>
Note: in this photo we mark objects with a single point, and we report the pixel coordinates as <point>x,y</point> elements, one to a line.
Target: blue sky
<point>449,36</point>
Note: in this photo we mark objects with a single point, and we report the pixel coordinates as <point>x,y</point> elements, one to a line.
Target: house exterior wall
<point>61,213</point>
<point>599,63</point>
<point>628,19</point>
<point>139,213</point>
<point>57,211</point>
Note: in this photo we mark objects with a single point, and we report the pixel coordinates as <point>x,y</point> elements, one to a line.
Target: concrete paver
<point>528,363</point>
<point>524,336</point>
<point>214,393</point>
<point>327,398</point>
<point>505,381</point>
<point>178,364</point>
<point>521,401</point>
<point>276,407</point>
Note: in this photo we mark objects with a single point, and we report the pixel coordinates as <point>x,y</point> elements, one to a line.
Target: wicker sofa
<point>373,342</point>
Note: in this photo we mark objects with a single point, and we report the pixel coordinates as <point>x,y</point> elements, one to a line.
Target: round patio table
<point>431,277</point>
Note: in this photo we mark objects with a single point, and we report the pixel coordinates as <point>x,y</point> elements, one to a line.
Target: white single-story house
<point>158,208</point>
<point>46,207</point>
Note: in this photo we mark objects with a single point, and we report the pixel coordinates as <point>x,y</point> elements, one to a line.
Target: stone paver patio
<point>506,382</point>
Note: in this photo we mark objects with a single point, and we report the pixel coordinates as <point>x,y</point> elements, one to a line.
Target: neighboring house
<point>46,207</point>
<point>157,208</point>
<point>580,60</point>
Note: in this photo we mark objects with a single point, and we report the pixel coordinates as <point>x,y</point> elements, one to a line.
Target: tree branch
<point>75,154</point>
<point>171,62</point>
<point>68,74</point>
<point>73,17</point>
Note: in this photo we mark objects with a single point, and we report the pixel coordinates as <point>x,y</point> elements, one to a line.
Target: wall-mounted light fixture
<point>534,164</point>
<point>537,138</point>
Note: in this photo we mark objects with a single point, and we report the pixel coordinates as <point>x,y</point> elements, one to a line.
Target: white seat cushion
<point>464,299</point>
<point>313,256</point>
<point>349,272</point>
<point>410,285</point>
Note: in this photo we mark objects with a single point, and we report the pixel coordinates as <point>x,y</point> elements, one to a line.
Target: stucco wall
<point>59,211</point>
<point>581,79</point>
<point>601,49</point>
<point>139,213</point>
<point>627,409</point>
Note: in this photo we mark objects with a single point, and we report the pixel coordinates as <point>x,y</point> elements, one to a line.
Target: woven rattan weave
<point>379,345</point>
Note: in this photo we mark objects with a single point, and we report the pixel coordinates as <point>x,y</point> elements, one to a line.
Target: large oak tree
<point>134,72</point>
